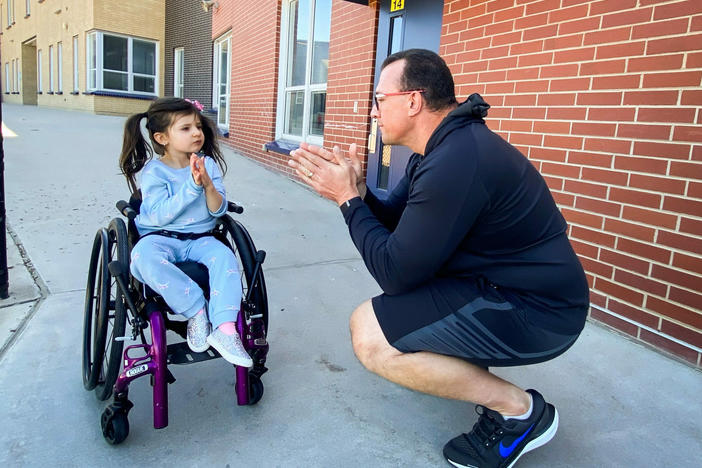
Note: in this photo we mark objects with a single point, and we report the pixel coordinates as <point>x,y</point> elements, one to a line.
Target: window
<point>10,12</point>
<point>92,61</point>
<point>39,88</point>
<point>75,64</point>
<point>7,78</point>
<point>178,71</point>
<point>121,63</point>
<point>303,93</point>
<point>222,65</point>
<point>51,69</point>
<point>27,6</point>
<point>59,61</point>
<point>18,76</point>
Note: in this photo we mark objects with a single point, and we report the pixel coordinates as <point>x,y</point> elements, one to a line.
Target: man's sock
<point>525,415</point>
<point>228,328</point>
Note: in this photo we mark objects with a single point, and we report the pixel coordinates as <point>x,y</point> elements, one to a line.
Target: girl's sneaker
<point>230,347</point>
<point>198,330</point>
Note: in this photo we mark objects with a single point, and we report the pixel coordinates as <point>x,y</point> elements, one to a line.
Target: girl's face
<point>185,135</point>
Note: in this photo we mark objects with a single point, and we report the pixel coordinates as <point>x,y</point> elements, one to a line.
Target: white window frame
<point>95,72</point>
<point>59,67</point>
<point>222,117</point>
<point>76,62</point>
<point>7,77</point>
<point>16,85</point>
<point>10,12</point>
<point>51,68</point>
<point>178,72</point>
<point>91,56</point>
<point>39,71</point>
<point>308,88</point>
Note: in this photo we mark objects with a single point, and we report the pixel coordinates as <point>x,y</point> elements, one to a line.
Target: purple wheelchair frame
<point>154,363</point>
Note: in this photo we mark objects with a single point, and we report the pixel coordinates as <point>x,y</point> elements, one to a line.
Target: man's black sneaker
<point>496,443</point>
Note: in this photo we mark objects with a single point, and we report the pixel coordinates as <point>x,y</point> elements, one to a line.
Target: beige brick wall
<point>139,18</point>
<point>49,23</point>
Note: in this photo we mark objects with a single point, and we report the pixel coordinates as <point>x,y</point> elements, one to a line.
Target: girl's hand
<point>198,170</point>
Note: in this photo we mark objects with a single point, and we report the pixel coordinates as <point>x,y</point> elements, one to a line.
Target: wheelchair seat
<point>196,271</point>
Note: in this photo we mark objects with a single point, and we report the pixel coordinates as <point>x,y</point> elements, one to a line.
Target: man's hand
<point>329,173</point>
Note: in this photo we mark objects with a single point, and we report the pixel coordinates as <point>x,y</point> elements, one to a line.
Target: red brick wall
<point>604,97</point>
<point>255,32</point>
<point>351,70</point>
<point>255,26</point>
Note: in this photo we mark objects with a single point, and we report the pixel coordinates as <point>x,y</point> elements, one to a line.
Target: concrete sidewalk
<point>620,404</point>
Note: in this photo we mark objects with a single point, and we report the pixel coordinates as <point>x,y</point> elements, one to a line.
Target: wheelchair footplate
<point>180,353</point>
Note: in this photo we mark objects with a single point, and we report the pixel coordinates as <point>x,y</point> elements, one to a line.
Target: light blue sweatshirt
<point>171,199</point>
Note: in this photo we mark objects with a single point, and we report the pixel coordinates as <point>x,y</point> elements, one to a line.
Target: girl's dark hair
<point>159,117</point>
<point>426,70</point>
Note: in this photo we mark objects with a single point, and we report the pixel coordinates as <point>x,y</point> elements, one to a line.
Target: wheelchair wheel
<point>255,389</point>
<point>95,307</point>
<point>238,237</point>
<point>111,324</point>
<point>115,427</point>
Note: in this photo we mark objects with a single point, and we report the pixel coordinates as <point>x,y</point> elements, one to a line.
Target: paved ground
<point>620,404</point>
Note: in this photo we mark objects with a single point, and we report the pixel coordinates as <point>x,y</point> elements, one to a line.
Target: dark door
<point>402,24</point>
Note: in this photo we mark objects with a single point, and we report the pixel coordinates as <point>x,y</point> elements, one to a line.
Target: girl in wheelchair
<point>182,195</point>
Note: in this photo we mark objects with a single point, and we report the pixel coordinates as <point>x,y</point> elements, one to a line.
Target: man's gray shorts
<point>469,319</point>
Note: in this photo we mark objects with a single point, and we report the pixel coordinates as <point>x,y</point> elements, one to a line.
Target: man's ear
<point>415,104</point>
<point>161,138</point>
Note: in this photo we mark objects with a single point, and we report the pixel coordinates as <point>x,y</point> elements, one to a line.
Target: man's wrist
<point>345,206</point>
<point>346,196</point>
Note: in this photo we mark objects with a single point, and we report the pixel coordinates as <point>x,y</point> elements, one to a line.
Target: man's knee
<point>367,338</point>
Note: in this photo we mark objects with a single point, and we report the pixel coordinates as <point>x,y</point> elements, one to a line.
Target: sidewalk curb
<point>44,292</point>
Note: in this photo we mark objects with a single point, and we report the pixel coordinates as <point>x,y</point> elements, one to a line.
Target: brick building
<point>101,56</point>
<point>604,97</point>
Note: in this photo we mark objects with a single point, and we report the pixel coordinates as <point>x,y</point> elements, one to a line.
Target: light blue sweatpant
<point>152,263</point>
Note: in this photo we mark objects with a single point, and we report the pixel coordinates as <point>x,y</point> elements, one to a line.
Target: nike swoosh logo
<point>506,451</point>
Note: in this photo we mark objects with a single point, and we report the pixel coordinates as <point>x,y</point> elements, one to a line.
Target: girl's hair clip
<point>196,103</point>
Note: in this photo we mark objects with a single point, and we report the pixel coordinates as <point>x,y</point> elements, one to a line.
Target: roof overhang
<point>360,2</point>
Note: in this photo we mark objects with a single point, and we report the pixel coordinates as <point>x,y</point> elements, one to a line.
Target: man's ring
<point>309,174</point>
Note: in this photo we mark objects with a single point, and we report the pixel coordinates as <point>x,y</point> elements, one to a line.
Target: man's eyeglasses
<point>381,96</point>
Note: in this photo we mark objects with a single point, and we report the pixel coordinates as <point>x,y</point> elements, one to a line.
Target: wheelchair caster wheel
<point>255,389</point>
<point>115,424</point>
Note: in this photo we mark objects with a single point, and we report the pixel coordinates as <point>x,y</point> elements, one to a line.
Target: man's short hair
<point>425,70</point>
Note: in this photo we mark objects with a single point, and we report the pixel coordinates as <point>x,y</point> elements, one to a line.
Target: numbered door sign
<point>397,5</point>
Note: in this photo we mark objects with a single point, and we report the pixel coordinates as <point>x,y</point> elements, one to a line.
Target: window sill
<point>50,92</point>
<point>15,92</point>
<point>40,92</point>
<point>75,93</point>
<point>281,146</point>
<point>59,92</point>
<point>122,95</point>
